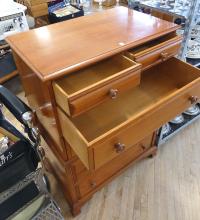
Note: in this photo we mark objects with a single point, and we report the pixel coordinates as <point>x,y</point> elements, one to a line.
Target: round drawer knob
<point>194,99</point>
<point>143,147</point>
<point>113,93</point>
<point>119,147</point>
<point>93,184</point>
<point>164,56</point>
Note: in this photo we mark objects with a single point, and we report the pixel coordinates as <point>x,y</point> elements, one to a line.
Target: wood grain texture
<point>53,51</point>
<point>72,135</point>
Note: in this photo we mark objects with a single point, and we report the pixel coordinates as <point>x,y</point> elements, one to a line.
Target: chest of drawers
<point>101,86</point>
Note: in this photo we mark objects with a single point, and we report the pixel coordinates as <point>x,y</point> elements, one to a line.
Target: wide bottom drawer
<point>89,181</point>
<point>103,133</point>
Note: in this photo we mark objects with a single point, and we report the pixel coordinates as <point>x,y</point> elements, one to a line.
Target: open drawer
<point>80,91</point>
<point>156,51</point>
<point>103,133</point>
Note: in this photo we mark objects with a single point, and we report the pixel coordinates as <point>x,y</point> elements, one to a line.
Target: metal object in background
<point>175,128</point>
<point>12,18</point>
<point>178,119</point>
<point>193,110</point>
<point>24,187</point>
<point>41,206</point>
<point>190,22</point>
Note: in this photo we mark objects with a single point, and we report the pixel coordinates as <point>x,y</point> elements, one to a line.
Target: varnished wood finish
<point>54,52</point>
<point>157,51</point>
<point>87,88</point>
<point>39,98</point>
<point>165,91</point>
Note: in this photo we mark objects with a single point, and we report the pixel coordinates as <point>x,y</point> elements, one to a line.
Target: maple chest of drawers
<point>101,86</point>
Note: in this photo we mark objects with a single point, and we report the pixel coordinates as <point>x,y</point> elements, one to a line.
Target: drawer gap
<point>154,43</point>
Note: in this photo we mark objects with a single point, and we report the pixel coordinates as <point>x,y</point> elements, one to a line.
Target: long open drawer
<point>103,133</point>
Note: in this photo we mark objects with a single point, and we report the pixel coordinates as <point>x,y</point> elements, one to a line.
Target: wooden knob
<point>119,147</point>
<point>142,146</point>
<point>93,184</point>
<point>193,99</point>
<point>164,56</point>
<point>113,93</point>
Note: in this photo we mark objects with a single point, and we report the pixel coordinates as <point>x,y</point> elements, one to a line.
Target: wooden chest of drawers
<point>101,90</point>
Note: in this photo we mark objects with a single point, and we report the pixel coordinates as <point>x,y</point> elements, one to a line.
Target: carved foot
<point>75,209</point>
<point>154,152</point>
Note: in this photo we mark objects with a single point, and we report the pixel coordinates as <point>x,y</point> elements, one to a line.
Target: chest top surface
<point>58,49</point>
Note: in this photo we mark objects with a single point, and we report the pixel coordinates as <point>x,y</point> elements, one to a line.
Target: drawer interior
<point>94,74</point>
<point>157,83</point>
<point>152,43</point>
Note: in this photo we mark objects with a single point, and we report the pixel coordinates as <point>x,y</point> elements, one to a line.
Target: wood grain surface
<point>61,48</point>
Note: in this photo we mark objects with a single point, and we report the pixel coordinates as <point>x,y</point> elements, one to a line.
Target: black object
<point>13,103</point>
<point>193,61</point>
<point>54,19</point>
<point>18,200</point>
<point>22,157</point>
<point>16,163</point>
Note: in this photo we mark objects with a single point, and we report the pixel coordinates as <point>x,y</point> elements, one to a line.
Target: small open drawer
<point>80,91</point>
<point>103,133</point>
<point>156,51</point>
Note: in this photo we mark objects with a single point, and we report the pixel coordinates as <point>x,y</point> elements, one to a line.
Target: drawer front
<point>111,90</point>
<point>157,54</point>
<point>117,145</point>
<point>88,181</point>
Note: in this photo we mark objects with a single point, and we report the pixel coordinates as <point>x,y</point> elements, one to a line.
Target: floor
<point>166,187</point>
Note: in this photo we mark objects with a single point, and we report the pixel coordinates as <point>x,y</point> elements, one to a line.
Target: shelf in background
<point>158,6</point>
<point>175,128</point>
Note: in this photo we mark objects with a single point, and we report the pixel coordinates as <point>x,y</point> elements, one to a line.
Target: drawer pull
<point>119,147</point>
<point>93,184</point>
<point>194,99</point>
<point>142,146</point>
<point>164,56</point>
<point>113,93</point>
